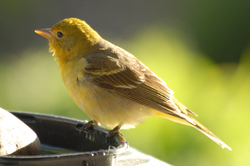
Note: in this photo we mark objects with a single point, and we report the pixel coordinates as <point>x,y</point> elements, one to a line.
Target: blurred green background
<point>200,49</point>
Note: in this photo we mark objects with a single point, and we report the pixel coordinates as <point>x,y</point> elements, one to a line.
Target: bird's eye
<point>59,34</point>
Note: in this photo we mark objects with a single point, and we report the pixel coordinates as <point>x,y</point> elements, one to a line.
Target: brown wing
<point>108,72</point>
<point>120,72</point>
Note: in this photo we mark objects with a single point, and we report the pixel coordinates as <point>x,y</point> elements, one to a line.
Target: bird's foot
<point>87,126</point>
<point>114,131</point>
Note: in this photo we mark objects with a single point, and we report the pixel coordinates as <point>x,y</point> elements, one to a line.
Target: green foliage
<point>219,94</point>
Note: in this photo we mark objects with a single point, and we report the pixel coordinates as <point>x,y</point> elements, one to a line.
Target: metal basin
<point>62,143</point>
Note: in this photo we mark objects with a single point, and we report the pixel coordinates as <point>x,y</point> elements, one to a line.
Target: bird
<point>111,85</point>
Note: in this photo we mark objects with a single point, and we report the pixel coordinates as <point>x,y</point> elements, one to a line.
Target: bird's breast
<point>98,103</point>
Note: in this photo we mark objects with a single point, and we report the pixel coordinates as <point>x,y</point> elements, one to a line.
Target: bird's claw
<point>87,126</point>
<point>114,131</point>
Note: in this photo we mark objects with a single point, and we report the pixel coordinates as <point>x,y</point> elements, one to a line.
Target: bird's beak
<point>45,33</point>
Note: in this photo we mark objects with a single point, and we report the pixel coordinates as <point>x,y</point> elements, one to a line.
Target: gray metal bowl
<point>62,143</point>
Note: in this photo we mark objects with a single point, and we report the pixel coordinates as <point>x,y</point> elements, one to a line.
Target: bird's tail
<point>208,133</point>
<point>188,120</point>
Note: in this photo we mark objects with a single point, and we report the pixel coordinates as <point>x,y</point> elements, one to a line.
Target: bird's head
<point>70,38</point>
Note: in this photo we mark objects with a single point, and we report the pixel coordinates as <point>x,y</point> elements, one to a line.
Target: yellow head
<point>70,38</point>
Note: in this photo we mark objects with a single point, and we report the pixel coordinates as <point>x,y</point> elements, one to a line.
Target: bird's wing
<point>109,72</point>
<point>127,76</point>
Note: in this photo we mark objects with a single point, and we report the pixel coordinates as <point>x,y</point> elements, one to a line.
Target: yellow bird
<point>109,84</point>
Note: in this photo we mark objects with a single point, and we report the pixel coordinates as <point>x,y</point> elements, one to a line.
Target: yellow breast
<point>100,104</point>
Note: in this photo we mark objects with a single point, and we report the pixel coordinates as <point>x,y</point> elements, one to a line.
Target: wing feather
<point>127,76</point>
